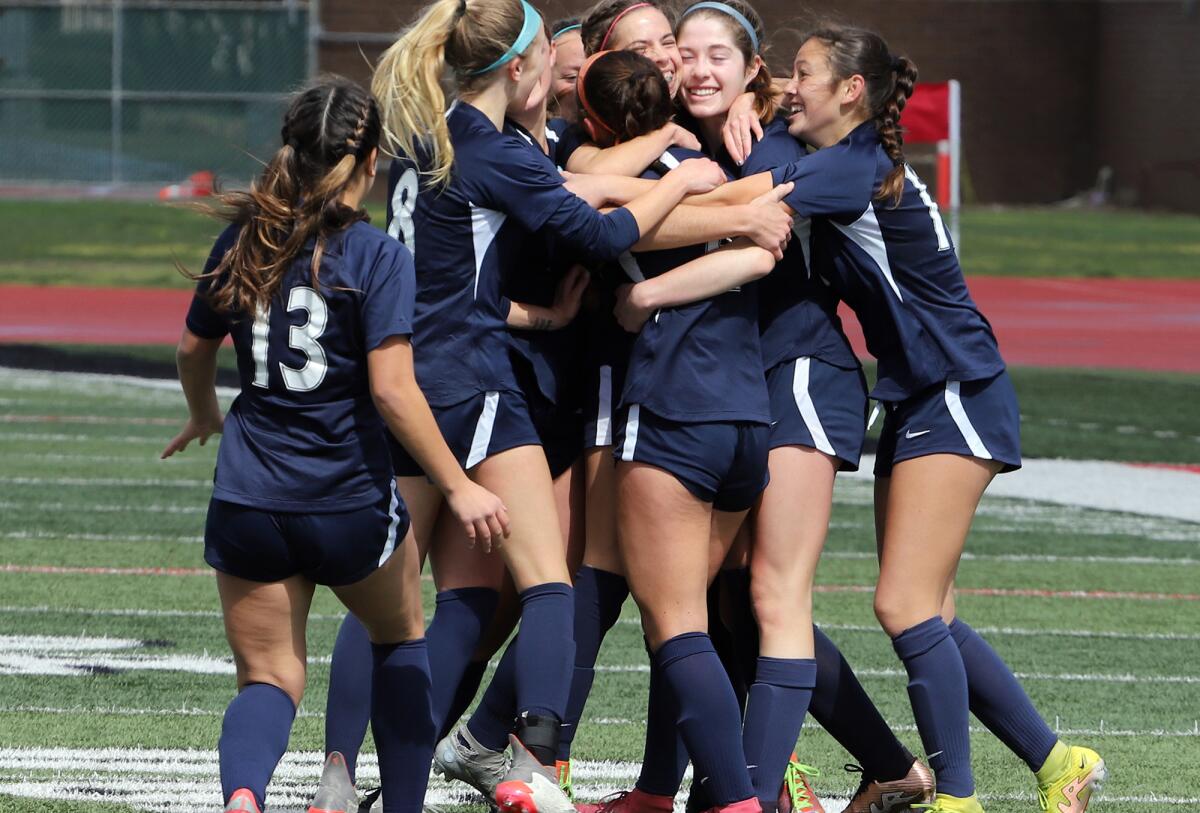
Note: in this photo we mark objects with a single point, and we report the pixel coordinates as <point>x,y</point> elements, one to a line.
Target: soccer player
<point>952,422</point>
<point>320,307</point>
<point>479,195</point>
<point>569,56</point>
<point>691,450</point>
<point>818,413</point>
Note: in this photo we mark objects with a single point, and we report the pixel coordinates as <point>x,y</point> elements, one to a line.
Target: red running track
<point>1136,324</point>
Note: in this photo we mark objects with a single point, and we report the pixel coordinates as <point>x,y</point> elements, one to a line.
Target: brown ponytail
<point>329,131</point>
<point>624,94</point>
<point>889,83</point>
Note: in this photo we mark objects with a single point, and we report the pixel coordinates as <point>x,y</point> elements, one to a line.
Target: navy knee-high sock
<point>722,640</point>
<point>937,689</point>
<point>774,715</point>
<point>843,708</point>
<point>708,715</point>
<point>665,759</point>
<point>468,687</point>
<point>348,705</point>
<point>743,626</point>
<point>999,701</point>
<point>402,719</point>
<point>459,621</point>
<point>493,719</point>
<point>545,650</point>
<point>254,737</point>
<point>599,596</point>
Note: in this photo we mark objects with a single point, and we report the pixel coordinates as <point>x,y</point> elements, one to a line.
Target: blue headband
<point>732,12</point>
<point>562,31</point>
<point>529,32</point>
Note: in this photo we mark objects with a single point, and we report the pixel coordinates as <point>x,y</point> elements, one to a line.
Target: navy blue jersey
<point>549,354</point>
<point>797,310</point>
<point>568,137</point>
<point>303,434</point>
<point>698,362</point>
<point>465,234</point>
<point>895,266</point>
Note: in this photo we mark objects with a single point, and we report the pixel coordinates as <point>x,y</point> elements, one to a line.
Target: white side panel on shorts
<point>867,235</point>
<point>393,526</point>
<point>631,430</point>
<point>483,430</point>
<point>808,410</point>
<point>604,407</point>
<point>959,414</point>
<point>485,223</point>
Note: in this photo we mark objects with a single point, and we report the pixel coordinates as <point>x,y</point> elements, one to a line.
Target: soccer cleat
<point>335,793</point>
<point>530,787</point>
<point>460,756</point>
<point>796,794</point>
<point>914,788</point>
<point>1072,789</point>
<point>241,801</point>
<point>629,801</point>
<point>945,803</point>
<point>750,805</point>
<point>562,767</point>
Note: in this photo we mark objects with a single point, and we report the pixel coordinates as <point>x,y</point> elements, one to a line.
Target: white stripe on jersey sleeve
<point>867,235</point>
<point>485,225</point>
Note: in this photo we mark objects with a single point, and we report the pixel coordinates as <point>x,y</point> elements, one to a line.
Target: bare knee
<point>288,678</point>
<point>898,609</point>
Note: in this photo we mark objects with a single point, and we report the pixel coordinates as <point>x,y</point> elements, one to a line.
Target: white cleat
<point>336,792</point>
<point>460,756</point>
<point>529,786</point>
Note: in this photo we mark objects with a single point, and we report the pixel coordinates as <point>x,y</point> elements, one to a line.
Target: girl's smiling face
<point>715,71</point>
<point>647,31</point>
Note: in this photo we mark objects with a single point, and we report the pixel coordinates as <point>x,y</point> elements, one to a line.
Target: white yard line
<point>1096,484</point>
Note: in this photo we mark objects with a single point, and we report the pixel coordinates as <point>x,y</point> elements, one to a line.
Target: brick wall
<point>1052,89</point>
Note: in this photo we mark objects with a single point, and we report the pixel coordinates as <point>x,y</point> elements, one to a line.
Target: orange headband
<point>588,110</point>
<point>617,19</point>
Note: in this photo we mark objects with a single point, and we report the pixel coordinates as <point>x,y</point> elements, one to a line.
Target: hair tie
<point>529,31</point>
<point>579,89</point>
<point>562,31</point>
<point>725,8</point>
<point>895,60</point>
<point>617,19</point>
<point>461,11</point>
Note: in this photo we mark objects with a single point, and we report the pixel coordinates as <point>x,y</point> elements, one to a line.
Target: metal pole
<point>118,47</point>
<point>314,37</point>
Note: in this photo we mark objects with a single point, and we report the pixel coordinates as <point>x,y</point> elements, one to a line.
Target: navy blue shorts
<point>559,427</point>
<point>601,397</point>
<point>819,406</point>
<point>973,418</point>
<point>475,429</point>
<point>329,549</point>
<point>720,462</point>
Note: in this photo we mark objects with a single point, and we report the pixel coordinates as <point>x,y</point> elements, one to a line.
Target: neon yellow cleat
<point>1069,778</point>
<point>945,803</point>
<point>562,767</point>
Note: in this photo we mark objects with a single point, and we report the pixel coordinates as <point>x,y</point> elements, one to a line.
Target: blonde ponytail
<point>408,84</point>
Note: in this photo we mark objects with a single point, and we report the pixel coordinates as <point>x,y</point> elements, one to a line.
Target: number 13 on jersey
<point>302,338</point>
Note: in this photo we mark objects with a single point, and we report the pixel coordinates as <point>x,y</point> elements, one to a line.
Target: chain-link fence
<point>129,91</point>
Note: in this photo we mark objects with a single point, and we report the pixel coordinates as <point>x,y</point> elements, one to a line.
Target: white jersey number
<point>303,338</point>
<point>404,201</point>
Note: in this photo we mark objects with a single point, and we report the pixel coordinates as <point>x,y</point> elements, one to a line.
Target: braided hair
<point>329,131</point>
<point>889,83</point>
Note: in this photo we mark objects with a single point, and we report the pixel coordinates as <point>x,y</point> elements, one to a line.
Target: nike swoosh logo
<point>911,435</point>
